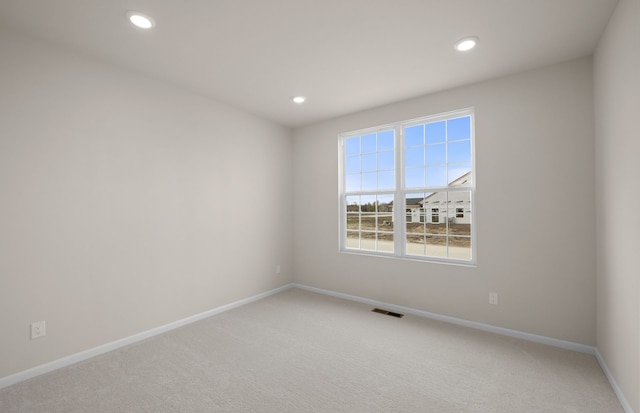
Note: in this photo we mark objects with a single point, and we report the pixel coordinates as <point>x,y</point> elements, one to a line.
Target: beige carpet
<point>303,352</point>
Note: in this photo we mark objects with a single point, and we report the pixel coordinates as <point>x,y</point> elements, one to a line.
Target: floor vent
<point>385,312</point>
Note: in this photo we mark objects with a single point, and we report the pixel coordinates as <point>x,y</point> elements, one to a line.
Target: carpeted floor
<point>302,352</point>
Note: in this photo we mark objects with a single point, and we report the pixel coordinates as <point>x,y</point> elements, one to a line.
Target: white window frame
<point>400,192</point>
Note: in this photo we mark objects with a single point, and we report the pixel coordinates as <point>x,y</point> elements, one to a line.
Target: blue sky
<point>370,159</point>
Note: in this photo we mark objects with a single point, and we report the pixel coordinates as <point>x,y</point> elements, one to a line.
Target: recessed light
<point>467,43</point>
<point>140,20</point>
<point>299,99</point>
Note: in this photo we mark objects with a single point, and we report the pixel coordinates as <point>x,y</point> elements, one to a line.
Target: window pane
<point>369,162</point>
<point>435,205</point>
<point>436,132</point>
<point>415,245</point>
<point>385,212</point>
<point>460,210</point>
<point>385,222</point>
<point>353,146</point>
<point>414,136</point>
<point>459,174</point>
<point>385,141</point>
<point>413,200</point>
<point>385,203</point>
<point>368,241</point>
<point>459,128</point>
<point>368,221</point>
<point>459,151</point>
<point>414,177</point>
<point>460,248</point>
<point>368,203</point>
<point>369,143</point>
<point>460,224</point>
<point>457,215</point>
<point>377,168</point>
<point>385,160</point>
<point>353,221</point>
<point>436,154</point>
<point>353,203</point>
<point>353,182</point>
<point>414,213</point>
<point>369,181</point>
<point>353,164</point>
<point>415,223</point>
<point>414,156</point>
<point>386,180</point>
<point>385,242</point>
<point>436,176</point>
<point>353,239</point>
<point>436,246</point>
<point>384,216</point>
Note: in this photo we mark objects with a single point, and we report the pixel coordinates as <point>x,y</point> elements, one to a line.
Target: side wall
<point>126,203</point>
<point>534,208</point>
<point>617,108</point>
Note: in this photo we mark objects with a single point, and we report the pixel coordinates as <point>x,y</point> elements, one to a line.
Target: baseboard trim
<point>568,345</point>
<point>87,354</point>
<point>616,389</point>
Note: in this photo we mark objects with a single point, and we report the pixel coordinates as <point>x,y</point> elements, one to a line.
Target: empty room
<point>319,206</point>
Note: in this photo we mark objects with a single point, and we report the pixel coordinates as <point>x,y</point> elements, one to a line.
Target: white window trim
<point>399,209</point>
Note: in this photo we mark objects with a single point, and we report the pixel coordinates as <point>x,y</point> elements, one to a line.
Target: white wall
<point>126,203</point>
<point>617,108</point>
<point>535,208</point>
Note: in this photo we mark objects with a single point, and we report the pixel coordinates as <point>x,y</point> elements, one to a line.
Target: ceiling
<point>343,55</point>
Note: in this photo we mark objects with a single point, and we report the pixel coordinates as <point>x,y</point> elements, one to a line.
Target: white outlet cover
<point>38,329</point>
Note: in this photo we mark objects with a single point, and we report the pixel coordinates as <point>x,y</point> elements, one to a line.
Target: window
<point>435,215</point>
<point>407,189</point>
<point>370,181</point>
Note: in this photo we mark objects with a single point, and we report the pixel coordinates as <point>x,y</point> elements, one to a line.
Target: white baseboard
<point>84,355</point>
<point>568,345</point>
<point>618,391</point>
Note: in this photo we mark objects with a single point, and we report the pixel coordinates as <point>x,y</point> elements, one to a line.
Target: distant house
<point>413,207</point>
<point>432,209</point>
<point>437,209</point>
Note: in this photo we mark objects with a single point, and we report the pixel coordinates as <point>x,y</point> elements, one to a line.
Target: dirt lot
<point>417,233</point>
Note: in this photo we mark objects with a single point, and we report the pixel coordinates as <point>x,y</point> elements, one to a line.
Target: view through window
<point>407,189</point>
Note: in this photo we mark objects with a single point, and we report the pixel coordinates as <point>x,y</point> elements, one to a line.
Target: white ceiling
<point>344,55</point>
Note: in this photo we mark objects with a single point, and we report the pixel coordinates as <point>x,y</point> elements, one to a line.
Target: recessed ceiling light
<point>299,99</point>
<point>140,20</point>
<point>467,43</point>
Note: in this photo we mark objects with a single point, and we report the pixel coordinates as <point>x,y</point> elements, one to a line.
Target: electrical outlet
<point>38,329</point>
<point>493,298</point>
<point>278,269</point>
